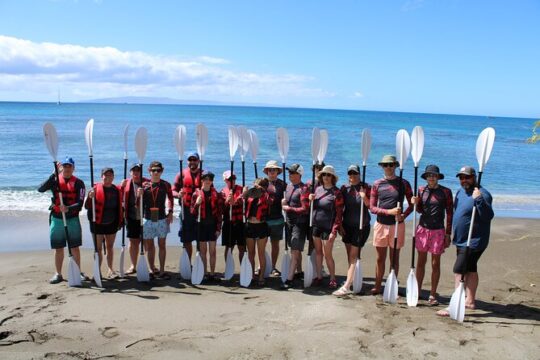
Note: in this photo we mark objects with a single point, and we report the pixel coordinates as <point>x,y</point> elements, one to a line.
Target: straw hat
<point>272,164</point>
<point>328,169</point>
<point>389,159</point>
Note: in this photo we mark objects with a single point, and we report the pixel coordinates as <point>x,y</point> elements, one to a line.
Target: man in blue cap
<point>185,185</point>
<point>73,192</point>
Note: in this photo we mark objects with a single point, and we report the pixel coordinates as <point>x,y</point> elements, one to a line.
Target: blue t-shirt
<point>463,205</point>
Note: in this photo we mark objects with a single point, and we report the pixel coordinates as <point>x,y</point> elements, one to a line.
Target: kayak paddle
<point>179,144</point>
<point>141,140</point>
<point>282,138</point>
<point>233,147</point>
<point>254,149</point>
<point>122,252</point>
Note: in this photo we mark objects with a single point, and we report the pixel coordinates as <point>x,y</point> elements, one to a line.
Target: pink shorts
<point>431,241</point>
<point>383,235</point>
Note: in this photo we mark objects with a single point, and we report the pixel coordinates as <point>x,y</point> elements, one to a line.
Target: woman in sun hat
<point>327,218</point>
<point>433,202</point>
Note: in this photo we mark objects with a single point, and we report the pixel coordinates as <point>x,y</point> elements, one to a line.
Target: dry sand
<point>172,319</point>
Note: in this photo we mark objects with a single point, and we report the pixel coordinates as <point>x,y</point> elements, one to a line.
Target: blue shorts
<point>155,229</point>
<point>58,235</point>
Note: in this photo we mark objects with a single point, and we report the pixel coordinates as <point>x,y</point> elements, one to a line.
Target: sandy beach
<point>172,318</point>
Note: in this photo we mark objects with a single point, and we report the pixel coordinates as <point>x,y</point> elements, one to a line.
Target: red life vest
<point>237,207</point>
<point>69,194</point>
<point>125,193</point>
<point>215,203</point>
<point>189,186</point>
<point>100,202</point>
<point>263,206</point>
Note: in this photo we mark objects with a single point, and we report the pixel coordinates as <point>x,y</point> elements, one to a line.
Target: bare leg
<point>241,251</point>
<point>189,248</point>
<point>109,244</point>
<point>353,255</point>
<point>162,254</point>
<point>275,252</point>
<point>396,265</point>
<point>471,284</point>
<point>59,260</point>
<point>212,250</point>
<point>295,256</point>
<point>261,247</point>
<point>421,269</point>
<point>151,253</point>
<point>99,245</point>
<point>318,248</point>
<point>379,268</point>
<point>76,256</point>
<point>435,273</point>
<point>251,252</point>
<point>134,245</point>
<point>328,246</point>
<point>203,249</point>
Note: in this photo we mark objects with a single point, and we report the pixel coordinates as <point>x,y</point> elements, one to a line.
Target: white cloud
<point>358,94</point>
<point>107,71</point>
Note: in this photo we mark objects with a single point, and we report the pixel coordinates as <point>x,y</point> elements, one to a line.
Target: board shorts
<point>467,263</point>
<point>354,236</point>
<point>155,229</point>
<point>58,235</point>
<point>237,235</point>
<point>207,232</point>
<point>296,236</point>
<point>324,234</point>
<point>188,228</point>
<point>256,230</point>
<point>133,228</point>
<point>275,229</point>
<point>430,240</point>
<point>383,235</point>
<point>104,229</point>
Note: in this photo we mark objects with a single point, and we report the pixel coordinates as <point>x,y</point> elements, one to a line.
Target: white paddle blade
<point>233,141</point>
<point>285,265</point>
<point>202,139</point>
<point>197,273</point>
<point>366,145</point>
<point>243,141</point>
<point>456,309</point>
<point>246,271</point>
<point>89,135</point>
<point>313,258</point>
<point>229,266</point>
<point>412,289</point>
<point>267,264</point>
<point>185,266</point>
<point>126,130</point>
<point>417,144</point>
<point>74,273</point>
<point>308,273</point>
<point>97,273</point>
<point>390,293</point>
<point>180,140</point>
<point>142,270</point>
<point>403,146</point>
<point>122,255</point>
<point>141,139</point>
<point>324,145</point>
<point>51,139</point>
<point>315,143</point>
<point>282,138</point>
<point>484,145</point>
<point>358,277</point>
<point>254,144</point>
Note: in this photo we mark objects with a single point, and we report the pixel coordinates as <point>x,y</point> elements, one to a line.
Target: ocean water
<point>510,175</point>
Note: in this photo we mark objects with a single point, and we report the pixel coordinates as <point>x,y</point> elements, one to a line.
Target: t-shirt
<point>352,200</point>
<point>463,205</point>
<point>385,196</point>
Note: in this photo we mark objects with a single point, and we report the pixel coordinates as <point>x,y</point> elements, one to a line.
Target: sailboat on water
<point>58,101</point>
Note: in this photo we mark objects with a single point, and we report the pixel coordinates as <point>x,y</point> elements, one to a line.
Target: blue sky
<point>455,56</point>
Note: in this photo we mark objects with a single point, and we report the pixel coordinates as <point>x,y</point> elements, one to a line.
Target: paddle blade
<point>315,144</point>
<point>267,264</point>
<point>126,130</point>
<point>358,277</point>
<point>180,140</point>
<point>366,145</point>
<point>197,274</point>
<point>243,141</point>
<point>51,139</point>
<point>202,139</point>
<point>412,289</point>
<point>403,146</point>
<point>313,258</point>
<point>417,144</point>
<point>285,265</point>
<point>390,293</point>
<point>233,141</point>
<point>229,266</point>
<point>456,309</point>
<point>89,135</point>
<point>246,271</point>
<point>97,273</point>
<point>122,255</point>
<point>324,145</point>
<point>74,273</point>
<point>185,266</point>
<point>142,270</point>
<point>308,273</point>
<point>141,139</point>
<point>484,145</point>
<point>254,141</point>
<point>282,138</point>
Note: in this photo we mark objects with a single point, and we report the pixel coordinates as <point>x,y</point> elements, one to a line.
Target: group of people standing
<point>246,217</point>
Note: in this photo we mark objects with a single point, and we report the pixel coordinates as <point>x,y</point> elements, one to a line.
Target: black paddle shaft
<point>94,210</point>
<point>400,194</point>
<point>286,228</point>
<point>180,200</point>
<point>255,167</point>
<point>231,189</point>
<point>362,204</point>
<point>125,208</point>
<point>66,233</point>
<point>468,249</point>
<point>416,204</point>
<point>141,225</point>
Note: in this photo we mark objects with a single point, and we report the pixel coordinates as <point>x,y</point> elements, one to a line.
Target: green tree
<point>535,137</point>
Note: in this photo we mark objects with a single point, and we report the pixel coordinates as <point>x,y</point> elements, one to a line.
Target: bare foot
<point>375,291</point>
<point>444,312</point>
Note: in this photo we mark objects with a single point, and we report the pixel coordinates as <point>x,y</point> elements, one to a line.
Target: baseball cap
<point>353,168</point>
<point>227,175</point>
<point>207,174</point>
<point>106,170</point>
<point>135,166</point>
<point>466,170</point>
<point>296,168</point>
<point>193,154</point>
<point>68,161</point>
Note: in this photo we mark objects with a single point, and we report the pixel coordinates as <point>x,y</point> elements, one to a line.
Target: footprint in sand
<point>43,296</point>
<point>109,332</point>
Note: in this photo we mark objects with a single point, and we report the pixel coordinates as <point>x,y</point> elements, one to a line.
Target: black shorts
<point>104,229</point>
<point>207,232</point>
<point>352,235</point>
<point>188,229</point>
<point>466,263</point>
<point>296,236</point>
<point>321,233</point>
<point>133,228</point>
<point>237,234</point>
<point>257,230</point>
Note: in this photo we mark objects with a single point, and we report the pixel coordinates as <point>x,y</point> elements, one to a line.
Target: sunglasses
<point>388,165</point>
<point>192,160</point>
<point>293,173</point>
<point>326,174</point>
<point>352,173</point>
<point>432,175</point>
<point>156,170</point>
<point>465,177</point>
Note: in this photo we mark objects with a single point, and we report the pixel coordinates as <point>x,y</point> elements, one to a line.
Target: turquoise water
<point>450,142</point>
